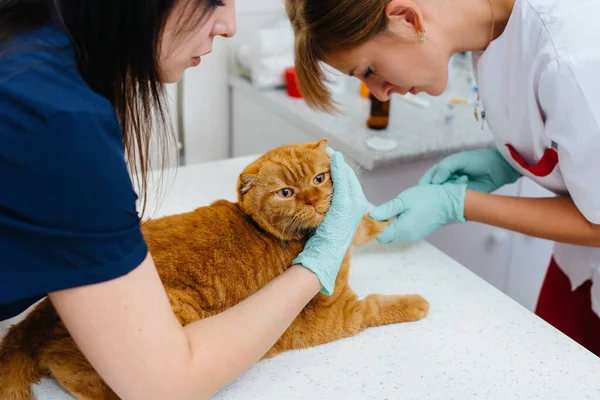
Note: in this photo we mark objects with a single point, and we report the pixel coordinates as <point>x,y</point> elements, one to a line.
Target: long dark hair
<point>117,44</point>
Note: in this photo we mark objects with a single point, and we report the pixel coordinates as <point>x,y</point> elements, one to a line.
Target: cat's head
<point>288,190</point>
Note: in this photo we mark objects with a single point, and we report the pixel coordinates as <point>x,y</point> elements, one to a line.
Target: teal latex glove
<point>482,170</point>
<point>325,250</point>
<point>420,211</point>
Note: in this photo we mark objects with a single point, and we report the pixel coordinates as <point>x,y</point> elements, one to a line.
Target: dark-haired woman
<point>80,83</point>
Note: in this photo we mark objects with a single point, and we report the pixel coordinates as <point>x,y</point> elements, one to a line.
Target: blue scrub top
<point>67,204</point>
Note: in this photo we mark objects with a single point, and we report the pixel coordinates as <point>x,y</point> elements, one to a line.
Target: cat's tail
<point>18,356</point>
<point>368,229</point>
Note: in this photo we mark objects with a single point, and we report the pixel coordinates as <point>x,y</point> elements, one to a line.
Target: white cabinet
<point>529,257</point>
<point>484,249</point>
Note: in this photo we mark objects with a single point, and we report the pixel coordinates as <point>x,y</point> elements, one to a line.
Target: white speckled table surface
<point>476,343</point>
<point>420,132</point>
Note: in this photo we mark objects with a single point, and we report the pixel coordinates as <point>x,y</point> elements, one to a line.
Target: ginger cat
<point>214,257</point>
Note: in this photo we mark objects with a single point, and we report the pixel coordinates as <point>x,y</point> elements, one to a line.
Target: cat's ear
<point>246,182</point>
<point>320,145</point>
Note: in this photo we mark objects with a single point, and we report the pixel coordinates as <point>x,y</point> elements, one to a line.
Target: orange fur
<point>211,259</point>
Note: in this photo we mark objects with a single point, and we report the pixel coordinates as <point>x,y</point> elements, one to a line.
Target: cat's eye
<point>320,178</point>
<point>286,193</point>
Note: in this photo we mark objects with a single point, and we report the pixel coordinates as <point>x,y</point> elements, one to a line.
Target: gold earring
<point>422,36</point>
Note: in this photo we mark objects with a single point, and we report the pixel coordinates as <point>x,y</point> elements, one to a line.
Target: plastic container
<point>364,90</point>
<point>292,85</point>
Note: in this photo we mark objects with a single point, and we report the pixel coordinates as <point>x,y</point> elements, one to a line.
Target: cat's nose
<point>312,201</point>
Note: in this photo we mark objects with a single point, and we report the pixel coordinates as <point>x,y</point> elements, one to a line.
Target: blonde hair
<point>325,26</point>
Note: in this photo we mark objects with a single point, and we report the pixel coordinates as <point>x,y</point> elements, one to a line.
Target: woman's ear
<point>404,16</point>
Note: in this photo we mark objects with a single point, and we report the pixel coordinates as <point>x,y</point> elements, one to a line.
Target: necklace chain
<point>476,111</point>
<point>493,20</point>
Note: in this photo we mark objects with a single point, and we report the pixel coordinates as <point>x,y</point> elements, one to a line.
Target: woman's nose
<point>378,91</point>
<point>225,24</point>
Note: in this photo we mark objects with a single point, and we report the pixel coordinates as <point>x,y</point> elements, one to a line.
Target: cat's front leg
<point>368,230</point>
<point>382,309</point>
<point>323,321</point>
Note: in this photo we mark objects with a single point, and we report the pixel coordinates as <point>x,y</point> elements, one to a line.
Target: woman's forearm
<point>237,338</point>
<point>127,330</point>
<point>555,218</point>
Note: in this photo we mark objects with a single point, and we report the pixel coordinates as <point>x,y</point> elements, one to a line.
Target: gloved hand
<point>482,170</point>
<point>324,251</point>
<point>421,210</point>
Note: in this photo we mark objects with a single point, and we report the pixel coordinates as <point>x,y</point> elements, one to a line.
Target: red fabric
<point>292,85</point>
<point>542,168</point>
<point>569,311</point>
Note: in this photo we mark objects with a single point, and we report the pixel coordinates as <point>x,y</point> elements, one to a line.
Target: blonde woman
<point>537,64</point>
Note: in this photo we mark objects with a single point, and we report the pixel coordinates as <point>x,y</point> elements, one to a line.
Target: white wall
<point>206,108</point>
<point>205,88</point>
<point>254,6</point>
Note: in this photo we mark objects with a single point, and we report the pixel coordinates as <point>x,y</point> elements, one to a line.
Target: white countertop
<point>420,132</point>
<point>476,343</point>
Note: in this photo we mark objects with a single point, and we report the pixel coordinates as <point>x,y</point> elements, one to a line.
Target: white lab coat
<point>539,84</point>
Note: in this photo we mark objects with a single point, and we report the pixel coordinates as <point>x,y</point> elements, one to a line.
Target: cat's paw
<point>368,230</point>
<point>393,309</point>
<point>418,305</point>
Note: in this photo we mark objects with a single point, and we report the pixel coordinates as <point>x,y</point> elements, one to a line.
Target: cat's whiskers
<point>291,230</point>
<point>295,229</point>
<point>294,226</point>
<point>359,168</point>
<point>352,150</point>
<point>283,231</point>
<point>288,224</point>
<point>330,197</point>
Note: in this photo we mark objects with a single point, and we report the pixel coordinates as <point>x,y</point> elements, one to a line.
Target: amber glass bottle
<point>380,113</point>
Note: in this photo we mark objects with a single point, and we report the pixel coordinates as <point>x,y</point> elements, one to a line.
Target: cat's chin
<point>316,220</point>
<point>306,230</point>
<point>308,227</point>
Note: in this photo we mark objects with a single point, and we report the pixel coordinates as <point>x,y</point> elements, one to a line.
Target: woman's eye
<point>368,73</point>
<point>320,178</point>
<point>286,193</point>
